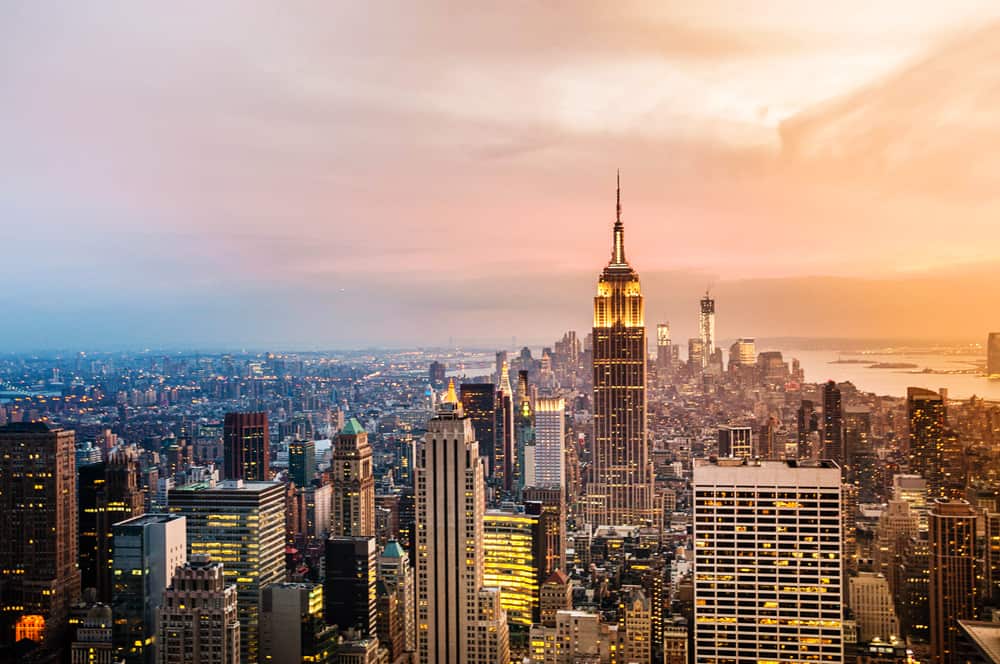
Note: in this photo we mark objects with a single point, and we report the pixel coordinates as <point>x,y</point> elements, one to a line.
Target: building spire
<point>618,248</point>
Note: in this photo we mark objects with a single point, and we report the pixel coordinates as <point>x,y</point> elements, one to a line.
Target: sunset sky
<point>332,175</point>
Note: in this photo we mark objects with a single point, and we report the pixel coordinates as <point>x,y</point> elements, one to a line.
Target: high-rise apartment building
<point>706,328</point>
<point>479,400</point>
<point>767,562</point>
<point>458,618</point>
<point>302,462</point>
<point>198,617</point>
<point>38,532</point>
<point>353,483</point>
<point>833,423</point>
<point>349,588</point>
<point>246,447</point>
<point>952,589</point>
<point>148,549</point>
<point>241,525</point>
<point>550,432</point>
<point>927,414</point>
<point>620,491</point>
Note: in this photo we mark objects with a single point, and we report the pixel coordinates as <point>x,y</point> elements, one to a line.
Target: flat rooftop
<point>751,472</point>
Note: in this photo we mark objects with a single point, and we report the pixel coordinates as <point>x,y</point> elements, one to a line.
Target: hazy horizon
<point>357,176</point>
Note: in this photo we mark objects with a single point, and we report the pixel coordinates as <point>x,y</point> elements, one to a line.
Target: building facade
<point>767,569</point>
<point>38,531</point>
<point>246,447</point>
<point>458,618</point>
<point>198,618</point>
<point>952,590</point>
<point>353,512</point>
<point>241,525</point>
<point>620,491</point>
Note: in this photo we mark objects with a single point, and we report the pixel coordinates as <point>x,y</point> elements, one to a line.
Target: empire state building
<point>620,491</point>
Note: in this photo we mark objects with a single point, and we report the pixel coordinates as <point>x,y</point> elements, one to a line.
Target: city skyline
<point>252,213</point>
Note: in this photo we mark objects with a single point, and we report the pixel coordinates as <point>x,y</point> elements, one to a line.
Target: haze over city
<point>351,175</point>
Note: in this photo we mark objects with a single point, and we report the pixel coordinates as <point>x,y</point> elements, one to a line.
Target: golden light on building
<point>511,544</point>
<point>31,626</point>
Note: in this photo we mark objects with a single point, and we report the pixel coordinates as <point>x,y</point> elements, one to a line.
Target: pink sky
<point>381,151</point>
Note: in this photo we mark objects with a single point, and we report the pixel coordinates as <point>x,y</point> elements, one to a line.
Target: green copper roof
<point>352,428</point>
<point>392,550</point>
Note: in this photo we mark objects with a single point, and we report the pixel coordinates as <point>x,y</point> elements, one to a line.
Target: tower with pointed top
<point>620,487</point>
<point>504,451</point>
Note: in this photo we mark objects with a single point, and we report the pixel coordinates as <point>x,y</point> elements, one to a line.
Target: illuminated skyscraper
<point>706,328</point>
<point>353,483</point>
<point>927,414</point>
<point>620,491</point>
<point>524,470</point>
<point>458,618</point>
<point>512,543</point>
<point>952,592</point>
<point>993,354</point>
<point>241,525</point>
<point>504,457</point>
<point>246,447</point>
<point>38,532</point>
<point>550,507</point>
<point>767,562</point>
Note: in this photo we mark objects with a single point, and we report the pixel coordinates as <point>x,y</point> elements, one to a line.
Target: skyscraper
<point>808,423</point>
<point>148,549</point>
<point>993,354</point>
<point>504,457</point>
<point>524,427</point>
<point>550,432</point>
<point>38,531</point>
<point>479,400</point>
<point>767,562</point>
<point>349,589</point>
<point>302,462</point>
<point>396,576</point>
<point>109,492</point>
<point>952,592</point>
<point>246,447</point>
<point>241,525</point>
<point>458,619</point>
<point>513,546</point>
<point>706,328</point>
<point>927,415</point>
<point>833,423</point>
<point>198,620</point>
<point>292,626</point>
<point>353,483</point>
<point>664,348</point>
<point>620,491</point>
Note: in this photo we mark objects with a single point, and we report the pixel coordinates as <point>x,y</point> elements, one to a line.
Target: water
<point>893,382</point>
